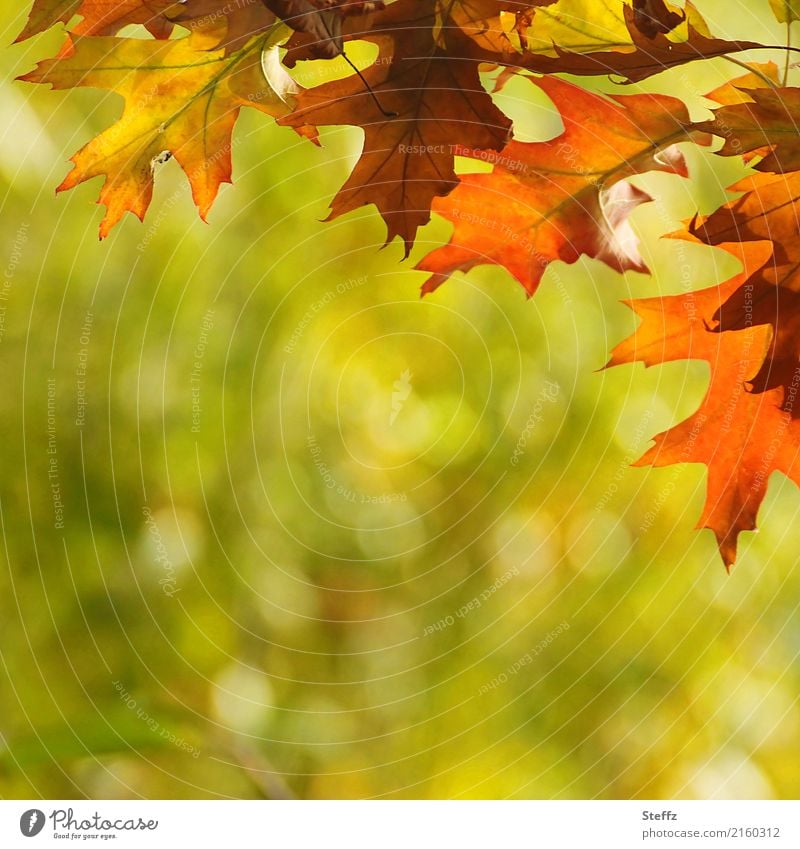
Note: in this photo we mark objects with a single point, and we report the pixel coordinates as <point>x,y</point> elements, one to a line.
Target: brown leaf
<point>320,21</point>
<point>769,119</point>
<point>228,25</point>
<point>481,21</point>
<point>100,17</point>
<point>654,17</point>
<point>407,160</point>
<point>767,212</point>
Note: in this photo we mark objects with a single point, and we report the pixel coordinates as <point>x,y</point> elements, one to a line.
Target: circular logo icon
<point>31,822</point>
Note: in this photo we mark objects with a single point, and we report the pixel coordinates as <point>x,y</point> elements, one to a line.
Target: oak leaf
<point>408,159</point>
<point>320,24</point>
<point>496,26</point>
<point>560,199</point>
<point>652,17</point>
<point>100,17</point>
<point>227,24</point>
<point>766,212</point>
<point>179,101</point>
<point>493,28</point>
<point>560,42</point>
<point>741,436</point>
<point>767,118</point>
<point>786,11</point>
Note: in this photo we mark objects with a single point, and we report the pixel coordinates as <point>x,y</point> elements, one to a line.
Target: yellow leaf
<point>179,101</point>
<point>786,11</point>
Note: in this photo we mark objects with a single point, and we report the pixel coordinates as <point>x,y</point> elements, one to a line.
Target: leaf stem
<point>363,79</point>
<point>771,83</point>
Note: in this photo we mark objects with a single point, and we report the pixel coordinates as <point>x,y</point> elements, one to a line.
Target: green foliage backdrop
<point>323,538</point>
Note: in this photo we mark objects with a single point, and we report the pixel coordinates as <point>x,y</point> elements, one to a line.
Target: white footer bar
<point>402,824</point>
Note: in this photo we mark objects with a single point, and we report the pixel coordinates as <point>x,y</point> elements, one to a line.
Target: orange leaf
<point>766,212</point>
<point>741,436</point>
<point>566,197</point>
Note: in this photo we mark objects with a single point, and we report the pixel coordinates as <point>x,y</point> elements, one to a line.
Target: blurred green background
<point>324,539</point>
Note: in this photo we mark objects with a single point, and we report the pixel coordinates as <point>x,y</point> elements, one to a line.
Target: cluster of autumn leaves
<point>421,105</point>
